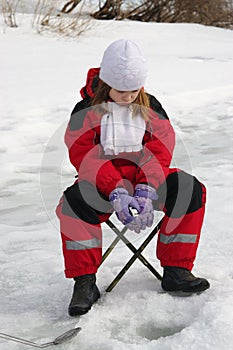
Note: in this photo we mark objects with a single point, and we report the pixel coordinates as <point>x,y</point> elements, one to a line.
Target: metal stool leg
<point>116,240</point>
<point>137,252</point>
<point>120,236</point>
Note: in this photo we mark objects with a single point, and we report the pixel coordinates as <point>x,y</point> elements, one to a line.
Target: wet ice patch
<point>206,58</point>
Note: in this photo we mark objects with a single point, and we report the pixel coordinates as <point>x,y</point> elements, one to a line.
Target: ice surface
<point>191,71</point>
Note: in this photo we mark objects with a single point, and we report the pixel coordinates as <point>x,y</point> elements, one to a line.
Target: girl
<point>121,141</point>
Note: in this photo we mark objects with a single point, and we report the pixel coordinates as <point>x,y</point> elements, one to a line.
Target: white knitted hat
<point>123,66</point>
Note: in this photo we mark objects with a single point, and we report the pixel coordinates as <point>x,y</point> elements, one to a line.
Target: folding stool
<point>137,252</point>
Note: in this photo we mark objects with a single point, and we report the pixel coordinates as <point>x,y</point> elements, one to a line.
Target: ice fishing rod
<point>59,340</point>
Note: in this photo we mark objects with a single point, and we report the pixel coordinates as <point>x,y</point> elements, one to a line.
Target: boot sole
<point>194,289</point>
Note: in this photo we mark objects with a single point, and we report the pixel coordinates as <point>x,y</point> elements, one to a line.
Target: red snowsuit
<point>84,205</point>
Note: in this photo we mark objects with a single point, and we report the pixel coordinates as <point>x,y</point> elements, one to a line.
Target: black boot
<point>181,279</point>
<point>84,295</point>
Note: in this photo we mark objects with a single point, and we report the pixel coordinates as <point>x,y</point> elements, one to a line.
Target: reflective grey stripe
<point>82,245</point>
<point>178,238</point>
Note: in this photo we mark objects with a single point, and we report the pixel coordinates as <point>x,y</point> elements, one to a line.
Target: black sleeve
<point>157,107</point>
<point>78,114</point>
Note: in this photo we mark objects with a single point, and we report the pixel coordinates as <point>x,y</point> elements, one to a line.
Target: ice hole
<point>151,332</point>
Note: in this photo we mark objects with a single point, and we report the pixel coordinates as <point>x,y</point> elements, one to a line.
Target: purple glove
<point>122,203</point>
<point>144,195</point>
<point>136,224</point>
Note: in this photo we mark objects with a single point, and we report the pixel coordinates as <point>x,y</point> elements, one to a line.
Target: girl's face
<point>123,97</point>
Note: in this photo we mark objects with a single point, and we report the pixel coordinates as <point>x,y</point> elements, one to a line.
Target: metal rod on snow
<point>59,340</point>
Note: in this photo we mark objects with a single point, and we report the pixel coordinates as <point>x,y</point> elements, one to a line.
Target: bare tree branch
<point>70,6</point>
<point>110,9</point>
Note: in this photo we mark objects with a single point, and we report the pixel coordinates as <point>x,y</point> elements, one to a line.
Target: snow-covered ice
<point>191,71</point>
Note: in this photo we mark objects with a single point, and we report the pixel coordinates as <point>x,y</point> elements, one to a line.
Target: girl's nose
<point>127,98</point>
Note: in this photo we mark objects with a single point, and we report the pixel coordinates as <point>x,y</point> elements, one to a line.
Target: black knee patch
<point>182,193</point>
<point>81,200</point>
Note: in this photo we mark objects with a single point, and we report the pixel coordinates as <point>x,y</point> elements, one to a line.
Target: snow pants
<point>82,209</point>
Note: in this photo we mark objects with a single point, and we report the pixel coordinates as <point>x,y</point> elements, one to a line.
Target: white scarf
<point>120,131</point>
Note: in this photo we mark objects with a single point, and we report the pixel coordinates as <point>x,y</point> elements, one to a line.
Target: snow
<point>191,70</point>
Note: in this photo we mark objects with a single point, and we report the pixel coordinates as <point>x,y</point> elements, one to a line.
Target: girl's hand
<point>144,195</point>
<point>124,204</point>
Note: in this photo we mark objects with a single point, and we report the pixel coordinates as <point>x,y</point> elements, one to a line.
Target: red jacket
<point>82,137</point>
